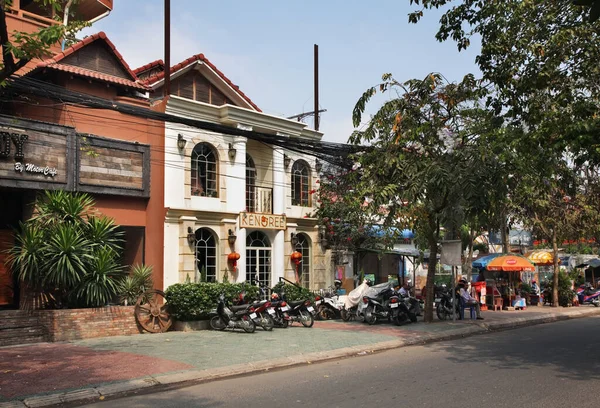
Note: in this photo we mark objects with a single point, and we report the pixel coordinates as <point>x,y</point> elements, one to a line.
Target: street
<point>548,365</point>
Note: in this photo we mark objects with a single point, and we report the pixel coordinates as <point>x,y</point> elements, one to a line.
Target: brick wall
<point>76,324</point>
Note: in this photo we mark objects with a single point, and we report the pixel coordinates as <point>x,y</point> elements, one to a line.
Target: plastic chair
<point>464,306</point>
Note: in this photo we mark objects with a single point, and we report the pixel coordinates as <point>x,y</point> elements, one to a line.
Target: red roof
<point>193,59</point>
<point>53,63</point>
<point>150,65</point>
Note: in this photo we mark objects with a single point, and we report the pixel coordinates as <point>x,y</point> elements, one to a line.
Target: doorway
<point>258,259</point>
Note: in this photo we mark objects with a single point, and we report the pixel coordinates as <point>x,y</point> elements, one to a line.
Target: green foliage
<point>565,293</point>
<point>135,284</point>
<point>293,292</point>
<point>24,46</point>
<point>66,254</point>
<point>194,301</point>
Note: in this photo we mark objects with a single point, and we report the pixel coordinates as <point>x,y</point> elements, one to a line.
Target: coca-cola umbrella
<point>510,263</point>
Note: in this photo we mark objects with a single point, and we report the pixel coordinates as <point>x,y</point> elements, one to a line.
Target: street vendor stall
<point>511,264</point>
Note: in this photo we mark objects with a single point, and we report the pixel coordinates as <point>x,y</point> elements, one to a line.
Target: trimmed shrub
<point>194,301</point>
<point>293,292</point>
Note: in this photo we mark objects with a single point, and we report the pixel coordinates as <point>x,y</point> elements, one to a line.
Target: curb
<point>192,377</point>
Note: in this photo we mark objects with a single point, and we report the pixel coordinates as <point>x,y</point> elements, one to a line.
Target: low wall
<point>76,324</point>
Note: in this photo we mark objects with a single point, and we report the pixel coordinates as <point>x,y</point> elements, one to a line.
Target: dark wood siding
<point>97,57</point>
<point>195,86</point>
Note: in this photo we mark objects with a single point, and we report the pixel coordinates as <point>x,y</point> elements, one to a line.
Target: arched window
<point>300,183</point>
<point>206,256</point>
<point>304,268</point>
<point>250,184</point>
<point>258,259</point>
<point>204,171</point>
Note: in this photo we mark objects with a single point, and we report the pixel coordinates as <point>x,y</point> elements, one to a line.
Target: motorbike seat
<point>238,308</point>
<point>296,303</point>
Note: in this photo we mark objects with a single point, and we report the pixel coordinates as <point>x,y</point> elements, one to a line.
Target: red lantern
<point>233,258</point>
<point>296,257</point>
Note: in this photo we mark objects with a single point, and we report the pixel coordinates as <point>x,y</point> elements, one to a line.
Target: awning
<point>592,263</point>
<point>483,262</point>
<point>541,257</point>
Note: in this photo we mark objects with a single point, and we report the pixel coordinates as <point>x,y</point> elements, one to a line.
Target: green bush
<point>565,293</point>
<point>293,292</point>
<point>194,301</point>
<point>135,284</point>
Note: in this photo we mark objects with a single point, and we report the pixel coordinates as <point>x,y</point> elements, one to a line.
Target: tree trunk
<point>504,235</point>
<point>429,286</point>
<point>467,268</point>
<point>556,269</point>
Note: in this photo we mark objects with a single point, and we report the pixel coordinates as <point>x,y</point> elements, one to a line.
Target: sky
<point>266,48</point>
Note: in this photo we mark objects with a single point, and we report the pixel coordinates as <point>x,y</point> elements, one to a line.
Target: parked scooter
<point>331,304</point>
<point>588,295</point>
<point>234,317</point>
<point>387,304</point>
<point>278,311</point>
<point>444,302</point>
<point>300,311</point>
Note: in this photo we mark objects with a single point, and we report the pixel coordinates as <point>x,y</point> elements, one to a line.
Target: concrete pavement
<point>49,374</point>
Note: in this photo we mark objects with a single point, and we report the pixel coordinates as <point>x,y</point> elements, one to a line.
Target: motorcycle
<point>352,302</point>
<point>443,304</point>
<point>263,310</point>
<point>278,311</point>
<point>330,304</point>
<point>234,317</point>
<point>384,306</point>
<point>300,311</point>
<point>586,294</point>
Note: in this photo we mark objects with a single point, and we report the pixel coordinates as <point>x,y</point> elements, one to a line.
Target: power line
<point>334,153</point>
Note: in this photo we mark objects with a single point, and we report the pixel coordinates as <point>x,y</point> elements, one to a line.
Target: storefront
<point>37,156</point>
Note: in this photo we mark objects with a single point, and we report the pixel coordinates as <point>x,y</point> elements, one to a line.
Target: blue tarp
<point>482,263</point>
<point>379,231</point>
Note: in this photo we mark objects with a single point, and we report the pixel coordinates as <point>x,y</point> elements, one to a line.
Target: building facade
<point>229,194</point>
<point>49,144</point>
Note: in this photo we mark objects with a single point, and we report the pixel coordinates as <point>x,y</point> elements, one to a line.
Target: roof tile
<point>200,58</point>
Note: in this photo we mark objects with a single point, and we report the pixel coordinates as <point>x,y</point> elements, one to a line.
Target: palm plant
<point>66,253</point>
<point>136,284</point>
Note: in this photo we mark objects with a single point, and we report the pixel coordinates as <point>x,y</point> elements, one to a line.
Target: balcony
<point>38,15</point>
<point>259,199</point>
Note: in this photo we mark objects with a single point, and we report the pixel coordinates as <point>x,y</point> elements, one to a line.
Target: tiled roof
<point>150,65</point>
<point>53,63</point>
<point>200,58</point>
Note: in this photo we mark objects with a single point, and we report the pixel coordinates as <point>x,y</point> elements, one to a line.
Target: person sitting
<point>468,299</point>
<point>535,288</point>
<point>404,290</point>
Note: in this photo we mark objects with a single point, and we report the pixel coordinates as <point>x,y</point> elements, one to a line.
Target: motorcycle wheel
<point>284,323</point>
<point>369,316</point>
<point>306,319</point>
<point>267,323</point>
<point>321,312</point>
<point>398,319</point>
<point>345,315</point>
<point>597,303</point>
<point>412,316</point>
<point>217,324</point>
<point>248,325</point>
<point>441,313</point>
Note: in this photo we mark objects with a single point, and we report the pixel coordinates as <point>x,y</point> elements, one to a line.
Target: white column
<point>236,177</point>
<point>278,261</point>
<point>278,181</point>
<point>240,248</point>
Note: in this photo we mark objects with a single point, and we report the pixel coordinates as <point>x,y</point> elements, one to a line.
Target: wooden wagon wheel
<point>151,312</point>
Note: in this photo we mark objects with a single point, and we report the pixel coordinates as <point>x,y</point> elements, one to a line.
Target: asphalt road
<point>551,365</point>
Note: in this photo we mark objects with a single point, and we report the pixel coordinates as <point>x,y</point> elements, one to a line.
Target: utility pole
<point>167,84</point>
<point>316,87</point>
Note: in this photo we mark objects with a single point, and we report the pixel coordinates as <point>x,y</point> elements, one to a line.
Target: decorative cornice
<point>236,116</point>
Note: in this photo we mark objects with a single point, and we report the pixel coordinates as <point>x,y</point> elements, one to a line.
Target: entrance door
<point>258,259</point>
<point>6,281</point>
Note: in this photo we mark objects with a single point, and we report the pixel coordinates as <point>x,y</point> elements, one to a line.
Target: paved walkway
<point>50,373</point>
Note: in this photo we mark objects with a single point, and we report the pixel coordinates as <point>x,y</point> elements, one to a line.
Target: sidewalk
<point>47,374</point>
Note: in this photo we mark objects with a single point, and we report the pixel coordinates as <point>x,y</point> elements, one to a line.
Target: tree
<point>423,166</point>
<point>540,58</point>
<point>23,46</point>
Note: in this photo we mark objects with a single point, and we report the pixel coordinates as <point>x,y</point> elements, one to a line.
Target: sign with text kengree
<point>264,221</point>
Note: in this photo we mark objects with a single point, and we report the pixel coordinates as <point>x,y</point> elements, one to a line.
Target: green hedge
<point>194,301</point>
<point>293,293</point>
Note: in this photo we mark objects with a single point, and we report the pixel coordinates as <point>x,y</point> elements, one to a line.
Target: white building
<point>218,186</point>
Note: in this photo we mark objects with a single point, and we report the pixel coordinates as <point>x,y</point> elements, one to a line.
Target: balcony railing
<point>259,199</point>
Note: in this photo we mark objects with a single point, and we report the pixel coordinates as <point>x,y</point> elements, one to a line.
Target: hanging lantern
<point>233,258</point>
<point>296,257</point>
